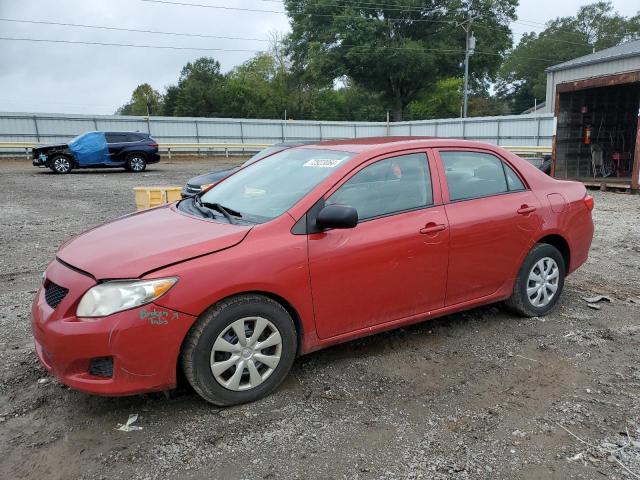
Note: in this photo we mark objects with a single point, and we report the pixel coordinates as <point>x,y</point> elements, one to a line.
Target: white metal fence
<point>520,130</point>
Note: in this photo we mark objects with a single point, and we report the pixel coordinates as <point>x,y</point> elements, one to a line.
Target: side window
<point>473,174</point>
<point>115,138</point>
<point>391,185</point>
<point>135,137</point>
<point>513,181</point>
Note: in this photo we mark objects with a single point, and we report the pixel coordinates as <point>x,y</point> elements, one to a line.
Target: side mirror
<point>337,216</point>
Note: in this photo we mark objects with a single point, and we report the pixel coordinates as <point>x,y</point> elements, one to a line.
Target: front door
<point>393,263</point>
<point>493,219</point>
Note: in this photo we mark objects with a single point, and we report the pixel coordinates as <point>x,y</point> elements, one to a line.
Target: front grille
<point>101,367</point>
<point>54,294</point>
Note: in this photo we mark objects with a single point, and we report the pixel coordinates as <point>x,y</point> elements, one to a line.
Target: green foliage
<point>595,26</point>
<point>441,101</point>
<point>144,101</point>
<point>399,48</point>
<point>255,89</point>
<point>200,89</point>
<point>358,60</point>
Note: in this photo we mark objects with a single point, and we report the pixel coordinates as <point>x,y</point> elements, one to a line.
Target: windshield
<point>270,187</point>
<point>264,153</point>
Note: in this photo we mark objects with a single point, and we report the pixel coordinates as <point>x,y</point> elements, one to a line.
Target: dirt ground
<point>477,395</point>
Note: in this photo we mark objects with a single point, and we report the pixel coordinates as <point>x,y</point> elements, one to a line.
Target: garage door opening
<point>596,133</point>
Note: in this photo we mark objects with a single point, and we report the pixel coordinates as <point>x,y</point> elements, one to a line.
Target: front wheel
<point>240,350</point>
<point>60,164</point>
<point>539,283</point>
<point>136,163</point>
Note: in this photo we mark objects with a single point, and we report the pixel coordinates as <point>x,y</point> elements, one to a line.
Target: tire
<point>61,164</point>
<point>136,163</point>
<point>213,340</point>
<point>528,298</point>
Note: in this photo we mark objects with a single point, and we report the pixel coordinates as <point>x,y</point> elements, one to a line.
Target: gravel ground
<point>481,394</point>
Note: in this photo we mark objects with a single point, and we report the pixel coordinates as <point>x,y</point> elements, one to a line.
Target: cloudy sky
<point>79,78</point>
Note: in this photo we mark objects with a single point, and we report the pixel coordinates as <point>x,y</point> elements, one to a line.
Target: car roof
<point>295,143</point>
<point>137,133</point>
<point>366,144</point>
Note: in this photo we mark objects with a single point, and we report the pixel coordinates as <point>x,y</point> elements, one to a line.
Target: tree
<point>397,48</point>
<point>144,101</point>
<point>441,101</point>
<point>200,89</point>
<point>170,101</point>
<point>595,27</point>
<point>253,90</point>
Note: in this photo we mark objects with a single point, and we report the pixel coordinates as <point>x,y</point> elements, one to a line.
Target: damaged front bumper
<point>40,161</point>
<point>126,353</point>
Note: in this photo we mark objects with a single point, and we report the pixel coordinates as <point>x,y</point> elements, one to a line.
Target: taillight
<point>153,145</point>
<point>588,201</point>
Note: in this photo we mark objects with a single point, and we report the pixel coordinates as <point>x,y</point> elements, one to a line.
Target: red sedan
<point>310,247</point>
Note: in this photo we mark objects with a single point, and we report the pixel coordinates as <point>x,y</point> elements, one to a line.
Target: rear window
<point>473,175</point>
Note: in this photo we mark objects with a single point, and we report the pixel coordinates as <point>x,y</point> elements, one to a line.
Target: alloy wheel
<point>136,164</point>
<point>542,283</point>
<point>61,165</point>
<point>246,353</point>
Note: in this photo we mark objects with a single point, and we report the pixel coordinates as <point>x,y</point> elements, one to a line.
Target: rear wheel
<point>136,163</point>
<point>240,350</point>
<point>539,283</point>
<point>60,164</point>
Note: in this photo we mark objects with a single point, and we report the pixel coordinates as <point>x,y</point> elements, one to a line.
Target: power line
<point>279,12</point>
<point>103,27</point>
<point>221,37</point>
<point>405,8</point>
<point>106,44</point>
<point>379,6</point>
<point>172,2</point>
<point>522,34</point>
<point>171,47</point>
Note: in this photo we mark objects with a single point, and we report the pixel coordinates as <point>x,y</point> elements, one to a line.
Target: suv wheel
<point>539,283</point>
<point>136,163</point>
<point>60,164</point>
<point>240,350</point>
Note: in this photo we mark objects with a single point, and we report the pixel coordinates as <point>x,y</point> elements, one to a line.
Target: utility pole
<point>470,47</point>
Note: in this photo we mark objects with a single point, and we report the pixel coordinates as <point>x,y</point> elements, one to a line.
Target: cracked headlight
<point>115,296</point>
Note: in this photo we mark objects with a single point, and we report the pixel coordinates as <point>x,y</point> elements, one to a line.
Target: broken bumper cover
<point>141,344</point>
<point>40,161</point>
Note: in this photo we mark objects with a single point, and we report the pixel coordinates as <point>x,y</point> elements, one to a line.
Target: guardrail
<point>518,150</point>
<point>211,146</point>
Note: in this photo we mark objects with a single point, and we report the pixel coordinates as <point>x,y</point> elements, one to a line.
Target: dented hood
<point>133,245</point>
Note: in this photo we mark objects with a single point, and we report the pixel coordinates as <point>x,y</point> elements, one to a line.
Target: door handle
<point>526,209</point>
<point>432,227</point>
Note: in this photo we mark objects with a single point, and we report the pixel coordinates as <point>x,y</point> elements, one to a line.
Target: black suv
<point>130,150</point>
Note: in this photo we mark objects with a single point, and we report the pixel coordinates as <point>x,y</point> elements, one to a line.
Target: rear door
<point>116,142</point>
<point>493,218</point>
<point>393,264</point>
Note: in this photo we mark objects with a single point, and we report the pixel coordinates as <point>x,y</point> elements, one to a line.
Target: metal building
<point>596,103</point>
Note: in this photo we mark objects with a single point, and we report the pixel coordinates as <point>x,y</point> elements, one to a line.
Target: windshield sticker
<point>323,162</point>
<point>251,192</point>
